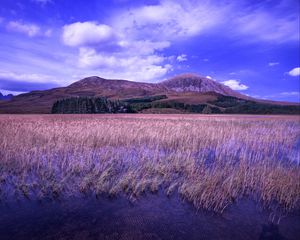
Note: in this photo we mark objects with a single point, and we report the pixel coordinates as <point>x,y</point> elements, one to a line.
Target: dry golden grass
<point>211,161</point>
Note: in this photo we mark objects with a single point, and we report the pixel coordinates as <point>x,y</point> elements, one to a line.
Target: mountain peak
<point>190,82</point>
<point>186,79</point>
<point>88,82</point>
<point>186,76</point>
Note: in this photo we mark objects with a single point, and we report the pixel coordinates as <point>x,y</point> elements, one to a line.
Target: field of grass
<point>209,160</point>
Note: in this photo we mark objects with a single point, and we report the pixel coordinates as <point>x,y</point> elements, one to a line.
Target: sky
<point>251,46</point>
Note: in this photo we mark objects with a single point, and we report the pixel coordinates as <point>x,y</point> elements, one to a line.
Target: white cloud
<point>29,29</point>
<point>43,2</point>
<point>122,65</point>
<point>142,47</point>
<point>182,58</point>
<point>294,72</point>
<point>6,92</point>
<point>271,64</point>
<point>282,95</point>
<point>170,19</point>
<point>175,20</point>
<point>86,33</point>
<point>235,85</point>
<point>131,41</point>
<point>115,54</point>
<point>88,57</point>
<point>48,33</point>
<point>209,77</point>
<point>27,77</point>
<point>136,37</point>
<point>264,25</point>
<point>290,93</point>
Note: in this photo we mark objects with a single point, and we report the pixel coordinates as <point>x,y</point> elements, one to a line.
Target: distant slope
<point>187,89</point>
<point>5,97</point>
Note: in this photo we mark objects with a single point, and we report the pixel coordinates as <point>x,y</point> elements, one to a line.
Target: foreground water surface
<point>151,217</point>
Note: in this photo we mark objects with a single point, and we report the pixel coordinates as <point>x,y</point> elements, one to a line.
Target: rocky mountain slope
<point>194,83</point>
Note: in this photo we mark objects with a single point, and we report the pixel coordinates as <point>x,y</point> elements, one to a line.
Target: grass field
<point>209,160</point>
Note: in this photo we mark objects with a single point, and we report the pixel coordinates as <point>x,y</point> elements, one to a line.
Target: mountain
<point>195,83</point>
<point>96,86</point>
<point>5,97</point>
<point>182,93</point>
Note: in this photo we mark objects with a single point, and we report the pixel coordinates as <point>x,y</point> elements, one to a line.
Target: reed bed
<point>211,161</point>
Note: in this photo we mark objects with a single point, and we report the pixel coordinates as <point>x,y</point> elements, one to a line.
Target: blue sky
<point>250,45</point>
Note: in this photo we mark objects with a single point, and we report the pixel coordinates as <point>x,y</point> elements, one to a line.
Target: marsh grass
<point>211,161</point>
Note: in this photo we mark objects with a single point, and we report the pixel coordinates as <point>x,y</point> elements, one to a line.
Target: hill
<point>184,93</point>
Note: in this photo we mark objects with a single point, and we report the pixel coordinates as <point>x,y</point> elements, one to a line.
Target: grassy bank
<point>210,161</point>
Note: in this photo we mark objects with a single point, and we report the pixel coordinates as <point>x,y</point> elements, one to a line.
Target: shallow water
<point>151,217</point>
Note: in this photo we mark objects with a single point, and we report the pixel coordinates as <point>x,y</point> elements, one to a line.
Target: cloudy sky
<point>250,45</point>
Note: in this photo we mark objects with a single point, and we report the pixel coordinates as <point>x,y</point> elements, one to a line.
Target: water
<point>153,216</point>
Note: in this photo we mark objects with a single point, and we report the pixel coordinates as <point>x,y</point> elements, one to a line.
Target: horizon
<point>250,46</point>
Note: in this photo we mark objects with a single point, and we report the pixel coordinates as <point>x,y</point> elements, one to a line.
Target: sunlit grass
<point>210,161</point>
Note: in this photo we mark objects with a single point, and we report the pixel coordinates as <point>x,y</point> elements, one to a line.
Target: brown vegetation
<point>211,161</point>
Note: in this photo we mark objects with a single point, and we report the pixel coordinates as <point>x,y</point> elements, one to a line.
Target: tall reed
<point>211,161</point>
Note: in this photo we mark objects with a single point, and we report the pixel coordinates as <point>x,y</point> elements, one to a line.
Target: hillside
<point>5,97</point>
<point>187,93</point>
